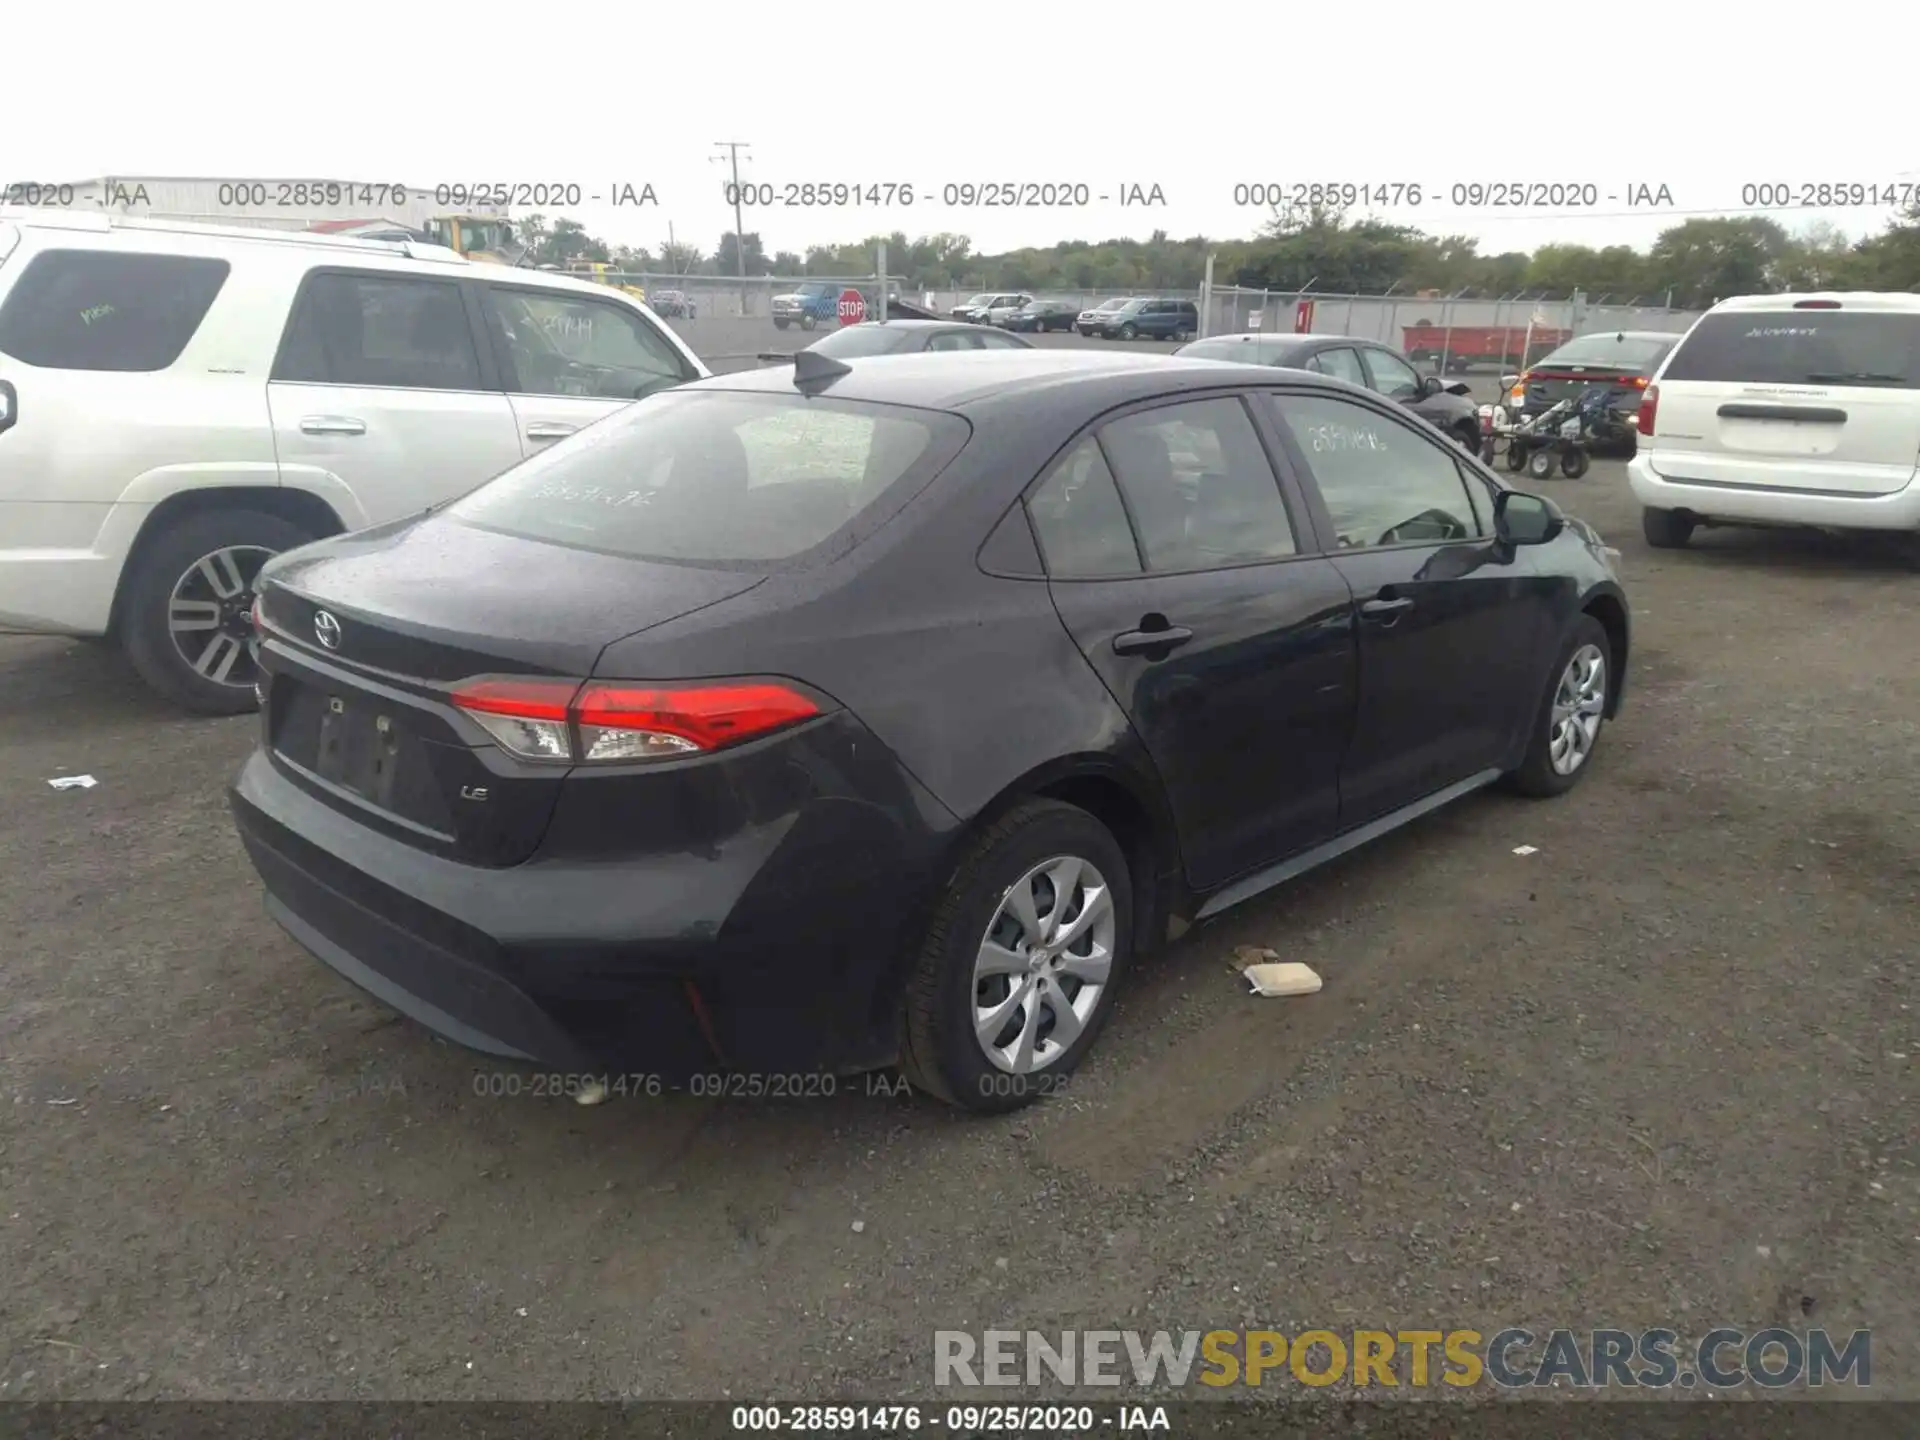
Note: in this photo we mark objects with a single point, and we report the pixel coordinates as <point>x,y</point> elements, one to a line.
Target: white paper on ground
<point>1288,978</point>
<point>73,782</point>
<point>1525,850</point>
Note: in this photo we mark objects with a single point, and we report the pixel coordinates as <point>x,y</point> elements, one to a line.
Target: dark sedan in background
<point>906,337</point>
<point>1043,316</point>
<point>1446,404</point>
<point>796,722</point>
<point>1624,361</point>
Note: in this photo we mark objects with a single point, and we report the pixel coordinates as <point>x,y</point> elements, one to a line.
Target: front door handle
<point>1132,642</point>
<point>332,425</point>
<point>1383,609</point>
<point>550,431</point>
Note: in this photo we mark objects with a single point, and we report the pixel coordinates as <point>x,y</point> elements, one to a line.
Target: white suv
<point>180,402</point>
<point>1785,410</point>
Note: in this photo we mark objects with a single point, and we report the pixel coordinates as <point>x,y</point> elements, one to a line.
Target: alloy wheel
<point>1043,964</point>
<point>210,614</point>
<point>1578,704</point>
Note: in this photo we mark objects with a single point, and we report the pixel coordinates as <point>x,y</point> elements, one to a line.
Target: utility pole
<point>732,157</point>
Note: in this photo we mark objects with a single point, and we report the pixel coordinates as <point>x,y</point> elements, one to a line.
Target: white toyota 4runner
<point>180,402</point>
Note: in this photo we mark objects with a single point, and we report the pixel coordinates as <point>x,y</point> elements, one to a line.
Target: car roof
<point>1624,335</point>
<point>1883,300</point>
<point>198,235</point>
<point>969,382</point>
<point>911,325</point>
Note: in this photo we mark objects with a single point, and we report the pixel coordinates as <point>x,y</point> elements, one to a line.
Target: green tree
<point>1704,260</point>
<point>726,259</point>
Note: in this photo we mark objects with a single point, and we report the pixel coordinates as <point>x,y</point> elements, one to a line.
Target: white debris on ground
<point>73,782</point>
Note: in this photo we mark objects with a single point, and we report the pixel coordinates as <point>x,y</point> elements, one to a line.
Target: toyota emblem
<point>326,630</point>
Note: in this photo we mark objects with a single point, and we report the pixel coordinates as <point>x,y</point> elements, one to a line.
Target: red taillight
<point>1638,382</point>
<point>1643,422</point>
<point>631,722</point>
<point>627,720</point>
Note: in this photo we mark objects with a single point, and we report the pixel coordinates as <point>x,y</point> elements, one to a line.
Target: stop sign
<point>853,307</point>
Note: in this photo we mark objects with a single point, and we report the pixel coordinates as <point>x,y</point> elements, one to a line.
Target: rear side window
<point>720,477</point>
<point>1080,521</point>
<point>1802,347</point>
<point>107,310</point>
<point>380,330</point>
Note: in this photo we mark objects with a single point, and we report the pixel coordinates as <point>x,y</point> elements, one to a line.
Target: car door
<point>383,396</point>
<point>567,360</point>
<point>1452,623</point>
<point>1175,562</point>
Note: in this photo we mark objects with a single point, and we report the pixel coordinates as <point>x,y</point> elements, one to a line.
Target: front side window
<point>1392,376</point>
<point>379,330</point>
<point>718,476</point>
<point>569,345</point>
<point>1382,483</point>
<point>107,310</point>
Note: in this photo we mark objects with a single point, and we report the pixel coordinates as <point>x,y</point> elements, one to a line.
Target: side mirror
<point>1523,519</point>
<point>1430,385</point>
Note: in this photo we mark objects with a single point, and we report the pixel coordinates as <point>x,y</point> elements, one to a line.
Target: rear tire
<point>164,564</point>
<point>1666,529</point>
<point>779,324</point>
<point>1516,456</point>
<point>807,322</point>
<point>1567,703</point>
<point>1127,332</point>
<point>1540,465</point>
<point>940,1053</point>
<point>1574,464</point>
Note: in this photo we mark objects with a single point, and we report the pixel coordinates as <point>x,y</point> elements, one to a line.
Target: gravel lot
<point>1661,1072</point>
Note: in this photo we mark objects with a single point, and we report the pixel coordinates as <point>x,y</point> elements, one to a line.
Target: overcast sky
<point>1697,96</point>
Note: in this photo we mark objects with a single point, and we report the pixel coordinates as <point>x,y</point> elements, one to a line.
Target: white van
<point>180,402</point>
<point>1785,410</point>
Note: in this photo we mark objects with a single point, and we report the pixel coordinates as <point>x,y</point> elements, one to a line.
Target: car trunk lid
<point>367,638</point>
<point>1816,398</point>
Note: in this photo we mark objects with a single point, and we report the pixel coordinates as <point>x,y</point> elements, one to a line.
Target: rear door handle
<point>550,431</point>
<point>1132,642</point>
<point>332,425</point>
<point>1379,609</point>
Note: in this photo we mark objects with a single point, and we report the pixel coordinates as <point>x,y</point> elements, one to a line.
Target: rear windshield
<point>720,477</point>
<point>858,340</point>
<point>1802,347</point>
<point>1630,352</point>
<point>1245,352</point>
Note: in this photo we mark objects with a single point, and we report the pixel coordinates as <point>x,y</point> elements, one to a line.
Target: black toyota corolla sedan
<point>799,721</point>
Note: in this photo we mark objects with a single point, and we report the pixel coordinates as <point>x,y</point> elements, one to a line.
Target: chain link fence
<point>1450,332</point>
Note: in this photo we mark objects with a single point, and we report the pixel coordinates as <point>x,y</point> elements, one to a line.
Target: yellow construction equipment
<point>478,237</point>
<point>601,273</point>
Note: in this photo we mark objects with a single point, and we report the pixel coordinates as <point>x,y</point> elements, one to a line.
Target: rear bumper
<point>780,948</point>
<point>1775,505</point>
<point>60,563</point>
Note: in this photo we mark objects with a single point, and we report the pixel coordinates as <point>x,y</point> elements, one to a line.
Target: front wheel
<point>1017,973</point>
<point>779,324</point>
<point>808,321</point>
<point>1566,728</point>
<point>187,614</point>
<point>1574,464</point>
<point>1516,455</point>
<point>1540,465</point>
<point>1469,437</point>
<point>1127,332</point>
